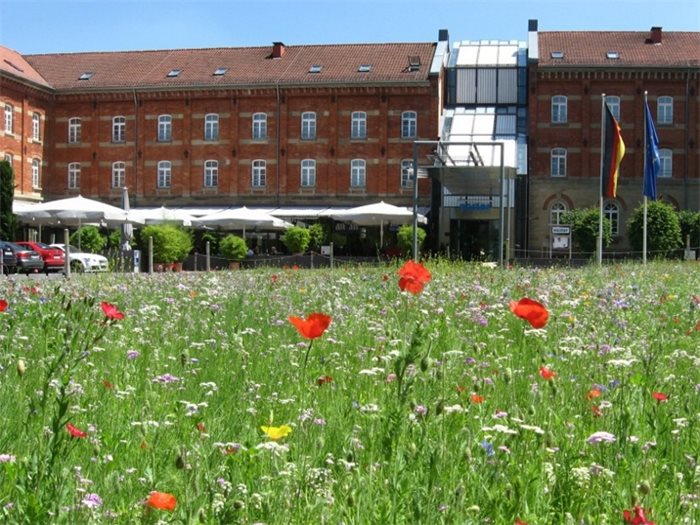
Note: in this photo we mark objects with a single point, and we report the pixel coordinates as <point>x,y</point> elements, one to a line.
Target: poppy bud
<point>180,463</point>
<point>508,375</point>
<point>21,368</point>
<point>350,500</point>
<point>644,488</point>
<point>439,407</point>
<point>424,363</point>
<point>531,410</point>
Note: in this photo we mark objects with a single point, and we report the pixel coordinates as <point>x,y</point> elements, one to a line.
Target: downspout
<point>136,143</point>
<point>279,144</point>
<point>686,138</point>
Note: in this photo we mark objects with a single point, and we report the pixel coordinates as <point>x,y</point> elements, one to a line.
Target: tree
<point>585,224</point>
<point>690,225</point>
<point>89,239</point>
<point>8,220</point>
<point>296,239</point>
<point>318,235</point>
<point>170,243</point>
<point>233,247</point>
<point>404,238</point>
<point>663,229</point>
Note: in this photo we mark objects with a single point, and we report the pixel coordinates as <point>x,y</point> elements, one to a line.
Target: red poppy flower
<point>161,501</point>
<point>532,311</point>
<point>413,277</point>
<point>313,326</point>
<point>107,384</point>
<point>201,427</point>
<point>324,380</point>
<point>519,522</point>
<point>460,389</point>
<point>274,278</point>
<point>75,431</point>
<point>593,393</point>
<point>659,396</point>
<point>3,305</point>
<point>636,517</point>
<point>546,373</point>
<point>111,311</point>
<point>596,411</point>
<point>476,398</point>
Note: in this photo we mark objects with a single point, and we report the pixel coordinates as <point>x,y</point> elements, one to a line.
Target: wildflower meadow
<point>433,393</point>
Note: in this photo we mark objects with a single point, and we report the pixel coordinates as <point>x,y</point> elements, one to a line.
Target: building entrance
<point>474,240</point>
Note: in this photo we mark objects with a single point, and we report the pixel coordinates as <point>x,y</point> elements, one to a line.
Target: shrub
<point>88,239</point>
<point>690,225</point>
<point>584,228</point>
<point>233,247</point>
<point>318,236</point>
<point>663,229</point>
<point>296,239</point>
<point>404,238</point>
<point>8,220</point>
<point>170,243</point>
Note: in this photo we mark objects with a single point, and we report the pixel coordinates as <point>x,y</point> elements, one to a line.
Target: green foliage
<point>690,225</point>
<point>233,247</point>
<point>663,229</point>
<point>114,239</point>
<point>213,238</point>
<point>585,223</point>
<point>8,220</point>
<point>170,243</point>
<point>339,240</point>
<point>296,239</point>
<point>404,238</point>
<point>89,239</point>
<point>318,235</point>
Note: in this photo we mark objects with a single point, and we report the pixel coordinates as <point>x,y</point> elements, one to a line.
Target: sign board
<point>326,250</point>
<point>560,242</point>
<point>561,230</point>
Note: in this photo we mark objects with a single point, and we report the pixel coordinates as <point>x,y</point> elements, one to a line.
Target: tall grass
<point>420,409</point>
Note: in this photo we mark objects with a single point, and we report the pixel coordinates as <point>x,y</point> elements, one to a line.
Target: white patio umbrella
<point>377,214</point>
<point>240,219</point>
<point>76,211</point>
<point>163,215</point>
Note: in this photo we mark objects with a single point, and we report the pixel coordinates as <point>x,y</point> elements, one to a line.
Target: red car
<point>54,259</point>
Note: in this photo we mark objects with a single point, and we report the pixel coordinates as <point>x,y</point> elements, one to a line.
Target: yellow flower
<point>275,433</point>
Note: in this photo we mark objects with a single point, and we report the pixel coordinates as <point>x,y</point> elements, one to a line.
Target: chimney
<point>655,35</point>
<point>278,49</point>
<point>443,35</point>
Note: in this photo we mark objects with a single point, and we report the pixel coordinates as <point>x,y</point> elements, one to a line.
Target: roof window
<point>315,68</point>
<point>86,76</point>
<point>413,63</point>
<point>220,71</point>
<point>613,55</point>
<point>557,54</point>
<point>174,73</point>
<point>364,68</point>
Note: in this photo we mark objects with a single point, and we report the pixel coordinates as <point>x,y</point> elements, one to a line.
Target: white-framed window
<point>259,126</point>
<point>36,173</point>
<point>74,128</point>
<point>559,109</point>
<point>9,118</point>
<point>556,212</point>
<point>664,110</point>
<point>165,128</point>
<point>308,125</point>
<point>8,158</point>
<point>36,126</point>
<point>558,162</point>
<point>409,125</point>
<point>74,175</point>
<point>211,126</point>
<point>165,174</point>
<point>611,211</point>
<point>118,174</point>
<point>359,125</point>
<point>358,173</point>
<point>407,173</point>
<point>666,156</point>
<point>119,129</point>
<point>308,173</point>
<point>211,173</point>
<point>259,174</point>
<point>613,103</point>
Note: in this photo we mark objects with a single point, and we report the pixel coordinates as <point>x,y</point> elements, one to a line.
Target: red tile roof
<point>246,66</point>
<point>589,48</point>
<point>13,63</point>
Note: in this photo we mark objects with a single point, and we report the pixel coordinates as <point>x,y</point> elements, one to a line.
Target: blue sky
<point>52,26</point>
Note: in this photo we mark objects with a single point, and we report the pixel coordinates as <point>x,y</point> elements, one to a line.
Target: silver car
<point>85,262</point>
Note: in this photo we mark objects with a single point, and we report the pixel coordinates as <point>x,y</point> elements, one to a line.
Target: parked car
<point>28,261</point>
<point>9,259</point>
<point>84,262</point>
<point>54,259</point>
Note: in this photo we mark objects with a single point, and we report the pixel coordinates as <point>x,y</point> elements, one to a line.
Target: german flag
<point>613,151</point>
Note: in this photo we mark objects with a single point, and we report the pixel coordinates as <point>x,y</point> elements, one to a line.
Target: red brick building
<point>568,74</point>
<point>271,126</point>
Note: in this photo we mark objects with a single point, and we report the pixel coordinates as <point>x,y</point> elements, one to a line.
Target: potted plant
<point>233,247</point>
<point>296,239</point>
<point>171,245</point>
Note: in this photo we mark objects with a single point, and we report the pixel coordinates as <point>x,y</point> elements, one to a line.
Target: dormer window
<point>174,73</point>
<point>557,55</point>
<point>86,76</point>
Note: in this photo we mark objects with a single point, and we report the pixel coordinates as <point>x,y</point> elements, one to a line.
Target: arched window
<point>556,212</point>
<point>308,173</point>
<point>611,211</point>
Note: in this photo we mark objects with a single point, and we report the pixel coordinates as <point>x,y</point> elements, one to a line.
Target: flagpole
<point>600,192</point>
<point>644,236</point>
